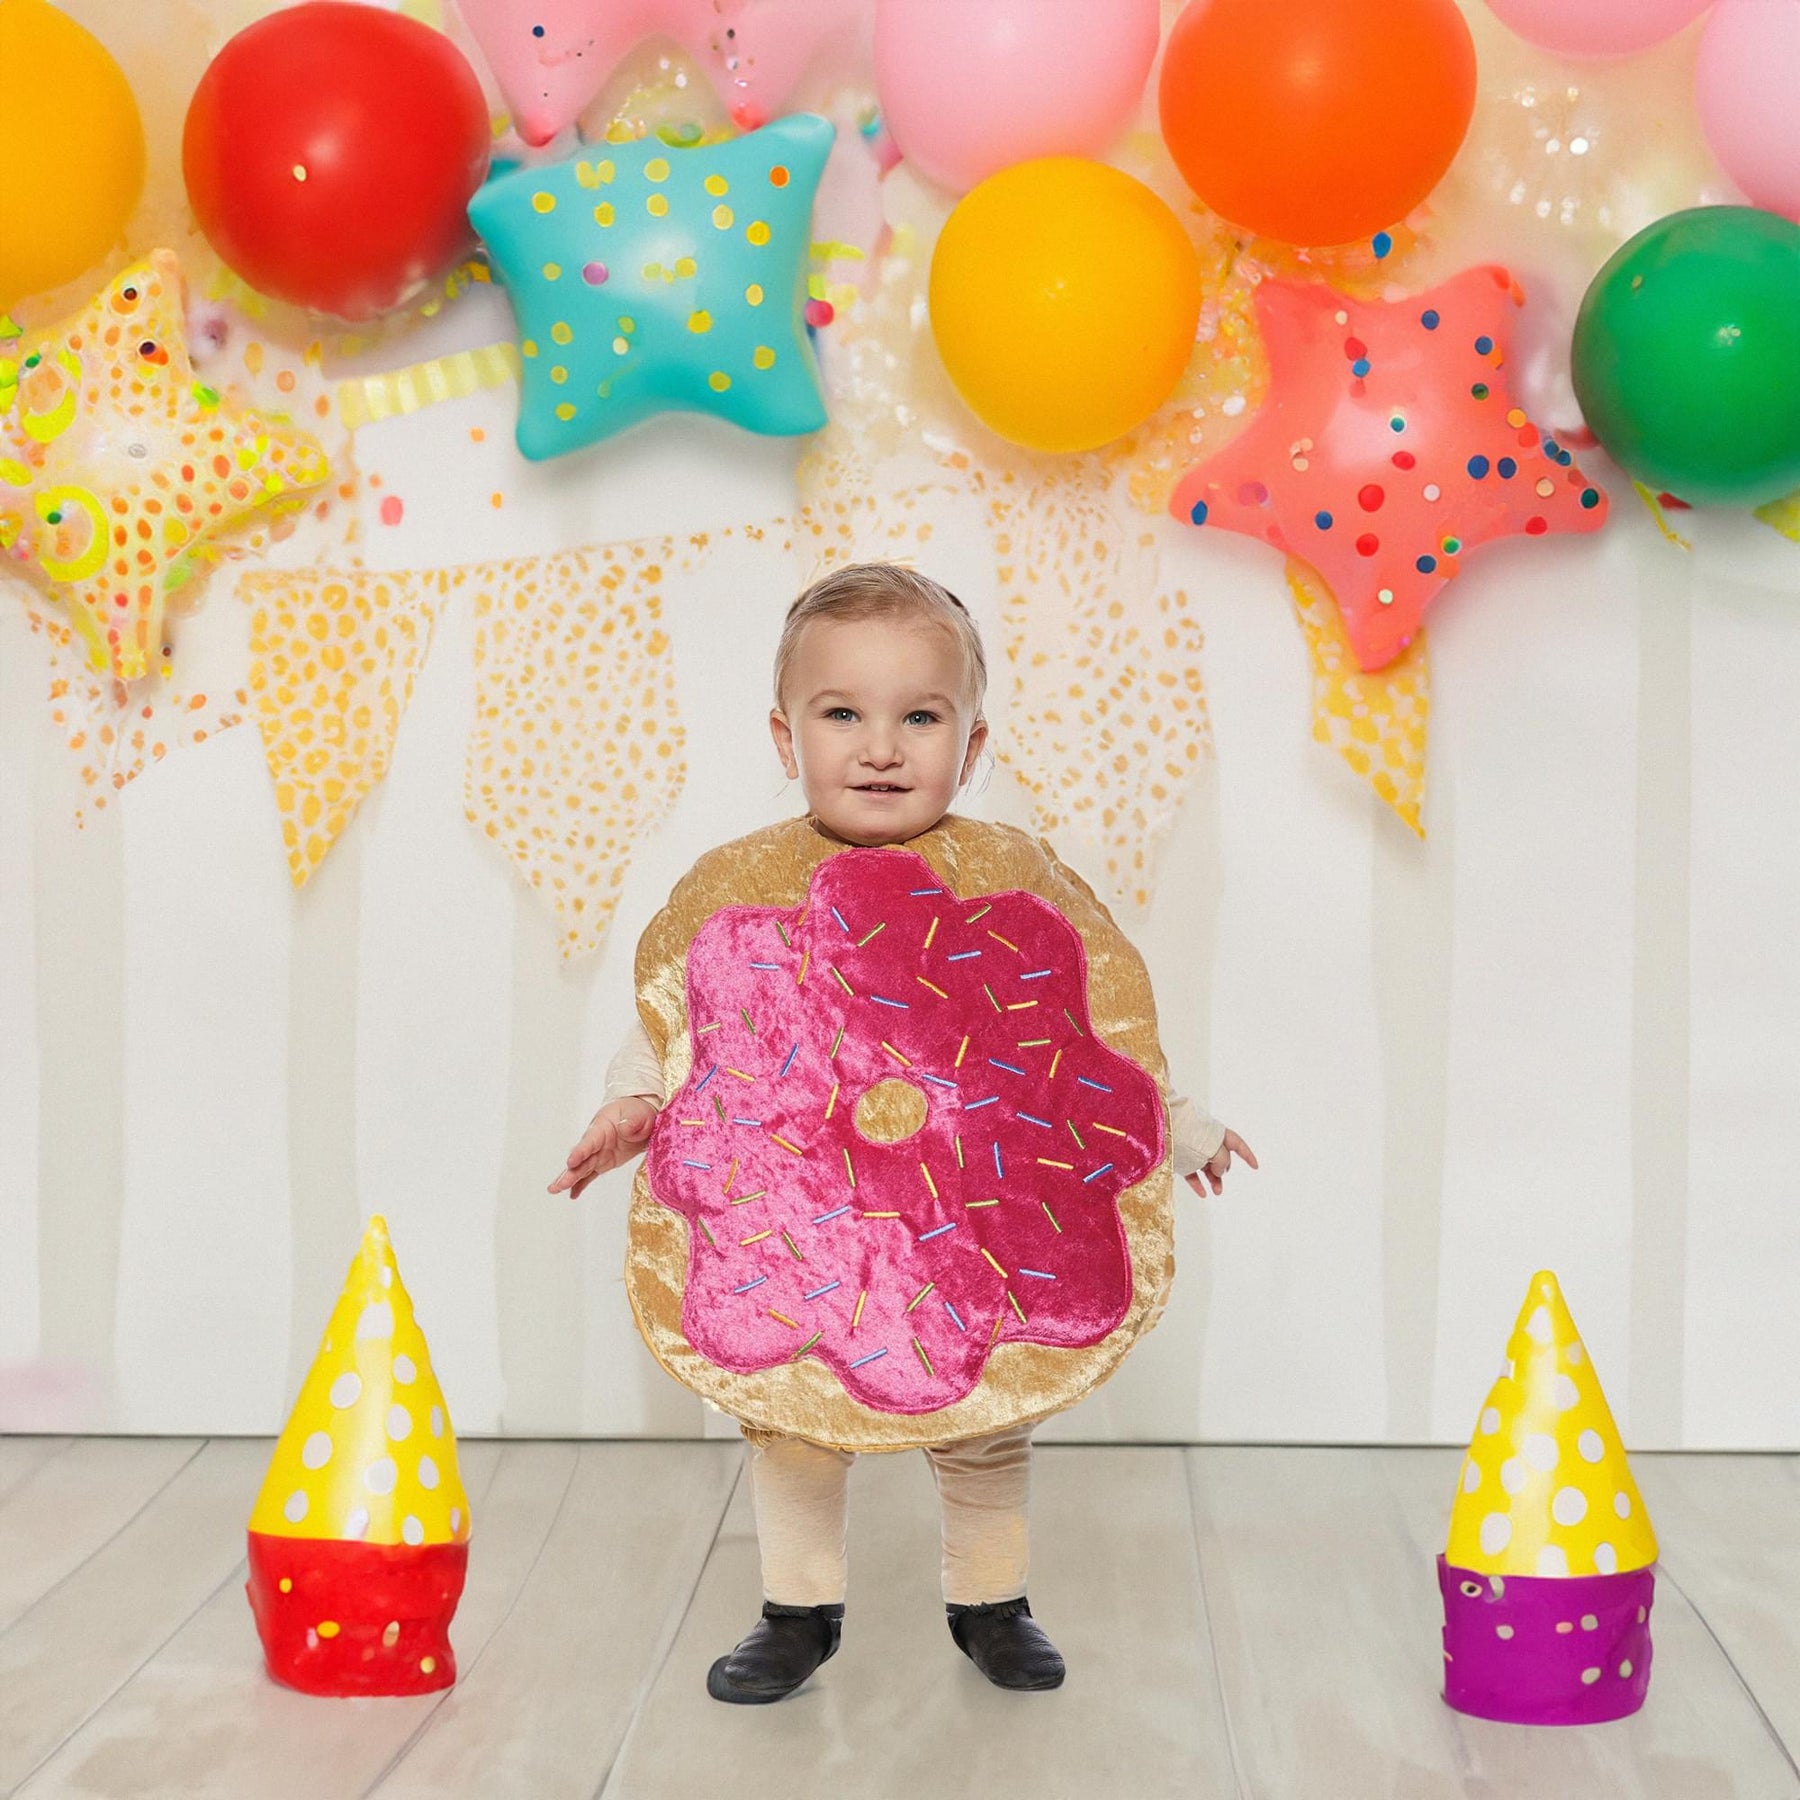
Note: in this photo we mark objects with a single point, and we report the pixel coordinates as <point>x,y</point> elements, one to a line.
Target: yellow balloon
<point>71,149</point>
<point>1064,298</point>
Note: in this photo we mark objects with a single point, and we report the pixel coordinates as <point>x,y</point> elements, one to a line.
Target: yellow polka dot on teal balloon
<point>717,185</point>
<point>699,321</point>
<point>657,206</point>
<point>718,381</point>
<point>543,203</point>
<point>764,357</point>
<point>757,231</point>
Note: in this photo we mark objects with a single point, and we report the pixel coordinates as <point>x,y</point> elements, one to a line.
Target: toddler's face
<point>878,726</point>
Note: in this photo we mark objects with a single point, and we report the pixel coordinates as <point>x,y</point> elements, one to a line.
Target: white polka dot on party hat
<point>1490,1420</point>
<point>1566,1393</point>
<point>1553,1559</point>
<point>1569,1507</point>
<point>1538,1325</point>
<point>1513,1476</point>
<point>428,1473</point>
<point>1590,1676</point>
<point>1496,1533</point>
<point>379,1476</point>
<point>346,1390</point>
<point>404,1370</point>
<point>437,1421</point>
<point>1592,1446</point>
<point>295,1510</point>
<point>399,1423</point>
<point>1622,1504</point>
<point>1471,1476</point>
<point>316,1452</point>
<point>356,1523</point>
<point>1606,1559</point>
<point>377,1320</point>
<point>1540,1450</point>
<point>411,1531</point>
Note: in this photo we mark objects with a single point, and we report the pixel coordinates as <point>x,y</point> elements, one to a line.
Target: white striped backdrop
<point>1563,1032</point>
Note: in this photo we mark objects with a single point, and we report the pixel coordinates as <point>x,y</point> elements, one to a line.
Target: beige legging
<point>801,1493</point>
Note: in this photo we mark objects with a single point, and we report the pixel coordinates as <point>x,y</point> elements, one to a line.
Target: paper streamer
<point>576,752</point>
<point>114,732</point>
<point>1106,720</point>
<point>334,654</point>
<point>1376,723</point>
<point>1783,516</point>
<point>370,398</point>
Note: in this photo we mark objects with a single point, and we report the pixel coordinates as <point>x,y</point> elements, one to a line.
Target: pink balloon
<point>970,87</point>
<point>551,58</point>
<point>1748,82</point>
<point>1597,28</point>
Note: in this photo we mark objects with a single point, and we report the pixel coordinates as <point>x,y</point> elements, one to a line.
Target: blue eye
<point>929,718</point>
<point>840,712</point>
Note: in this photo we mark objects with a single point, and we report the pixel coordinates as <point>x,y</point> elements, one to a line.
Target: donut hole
<point>890,1111</point>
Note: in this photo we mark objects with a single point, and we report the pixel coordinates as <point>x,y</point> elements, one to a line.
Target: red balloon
<point>330,152</point>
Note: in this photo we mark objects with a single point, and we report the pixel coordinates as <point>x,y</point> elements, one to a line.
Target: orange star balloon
<point>120,471</point>
<point>1388,449</point>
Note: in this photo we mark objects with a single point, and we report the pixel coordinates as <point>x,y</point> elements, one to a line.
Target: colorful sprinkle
<point>1010,1068</point>
<point>826,1289</point>
<point>1103,1169</point>
<point>748,1285</point>
<point>785,1320</point>
<point>977,1105</point>
<point>1033,1119</point>
<point>920,1295</point>
<point>936,1231</point>
<point>1039,1273</point>
<point>926,1360</point>
<point>837,1212</point>
<point>1086,1082</point>
<point>955,1316</point>
<point>1048,1214</point>
<point>856,1317</point>
<point>867,1359</point>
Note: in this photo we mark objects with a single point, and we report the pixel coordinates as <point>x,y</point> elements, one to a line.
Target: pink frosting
<point>979,1003</point>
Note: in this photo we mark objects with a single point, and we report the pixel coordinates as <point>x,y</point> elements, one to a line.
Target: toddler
<point>879,681</point>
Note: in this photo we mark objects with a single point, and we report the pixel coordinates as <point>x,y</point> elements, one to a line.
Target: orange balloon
<point>1064,299</point>
<point>1317,121</point>
<point>71,149</point>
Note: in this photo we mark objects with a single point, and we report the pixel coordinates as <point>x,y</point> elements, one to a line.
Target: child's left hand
<point>1214,1171</point>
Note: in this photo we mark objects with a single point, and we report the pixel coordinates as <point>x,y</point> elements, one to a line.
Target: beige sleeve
<point>1194,1136</point>
<point>635,1072</point>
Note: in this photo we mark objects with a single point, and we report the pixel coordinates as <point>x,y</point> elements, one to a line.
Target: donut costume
<point>911,1184</point>
<point>359,1539</point>
<point>1549,1578</point>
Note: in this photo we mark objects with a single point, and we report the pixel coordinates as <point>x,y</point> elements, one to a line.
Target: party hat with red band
<point>1549,1579</point>
<point>359,1540</point>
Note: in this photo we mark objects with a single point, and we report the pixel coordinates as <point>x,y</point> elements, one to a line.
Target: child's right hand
<point>615,1134</point>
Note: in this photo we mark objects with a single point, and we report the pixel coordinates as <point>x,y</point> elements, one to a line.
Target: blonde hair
<point>882,590</point>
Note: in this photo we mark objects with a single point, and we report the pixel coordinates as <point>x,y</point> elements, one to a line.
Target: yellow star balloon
<point>120,472</point>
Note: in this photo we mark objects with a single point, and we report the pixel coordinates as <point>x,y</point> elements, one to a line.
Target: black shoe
<point>785,1646</point>
<point>1006,1644</point>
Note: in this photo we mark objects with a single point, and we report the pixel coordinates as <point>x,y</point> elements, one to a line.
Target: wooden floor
<point>1237,1622</point>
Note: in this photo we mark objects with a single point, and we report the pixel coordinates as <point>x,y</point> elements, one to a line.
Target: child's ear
<point>978,737</point>
<point>783,734</point>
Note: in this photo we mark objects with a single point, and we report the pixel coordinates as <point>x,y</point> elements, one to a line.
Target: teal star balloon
<point>647,278</point>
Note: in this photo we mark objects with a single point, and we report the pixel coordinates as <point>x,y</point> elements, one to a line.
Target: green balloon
<point>1687,356</point>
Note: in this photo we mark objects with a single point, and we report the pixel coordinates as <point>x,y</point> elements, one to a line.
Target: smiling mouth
<point>880,787</point>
